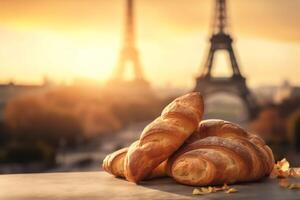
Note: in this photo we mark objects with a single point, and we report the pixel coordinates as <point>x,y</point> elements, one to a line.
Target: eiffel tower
<point>235,84</point>
<point>129,53</point>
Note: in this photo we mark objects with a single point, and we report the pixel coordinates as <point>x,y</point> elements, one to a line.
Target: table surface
<point>100,185</point>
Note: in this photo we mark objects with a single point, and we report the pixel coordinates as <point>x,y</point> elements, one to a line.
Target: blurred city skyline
<point>66,40</point>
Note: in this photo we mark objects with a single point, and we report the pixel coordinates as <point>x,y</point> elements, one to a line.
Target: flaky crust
<point>216,127</point>
<point>114,164</point>
<point>220,152</point>
<point>161,138</point>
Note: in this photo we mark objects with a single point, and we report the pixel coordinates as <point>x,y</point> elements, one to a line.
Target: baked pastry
<point>220,152</point>
<point>211,152</point>
<point>161,138</point>
<point>114,164</point>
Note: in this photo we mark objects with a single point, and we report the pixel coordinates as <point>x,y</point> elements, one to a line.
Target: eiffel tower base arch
<point>235,85</point>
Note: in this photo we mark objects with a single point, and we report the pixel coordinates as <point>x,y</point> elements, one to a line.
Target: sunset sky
<point>70,39</point>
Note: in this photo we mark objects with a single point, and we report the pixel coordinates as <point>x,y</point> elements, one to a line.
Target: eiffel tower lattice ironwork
<point>129,52</point>
<point>235,84</point>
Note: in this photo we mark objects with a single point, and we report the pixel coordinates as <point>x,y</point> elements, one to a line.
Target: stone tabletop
<point>100,185</point>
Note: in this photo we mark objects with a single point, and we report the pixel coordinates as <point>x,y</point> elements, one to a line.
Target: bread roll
<point>220,152</point>
<point>161,138</point>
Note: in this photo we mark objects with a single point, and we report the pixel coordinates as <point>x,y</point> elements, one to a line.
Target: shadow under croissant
<point>263,189</point>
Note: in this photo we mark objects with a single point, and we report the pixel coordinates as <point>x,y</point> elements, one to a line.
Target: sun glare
<point>222,65</point>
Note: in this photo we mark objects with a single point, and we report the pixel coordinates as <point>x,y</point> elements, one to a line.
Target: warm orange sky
<point>68,39</point>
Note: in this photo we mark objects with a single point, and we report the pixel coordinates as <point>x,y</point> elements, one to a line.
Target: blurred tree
<point>25,152</point>
<point>41,123</point>
<point>32,119</point>
<point>272,127</point>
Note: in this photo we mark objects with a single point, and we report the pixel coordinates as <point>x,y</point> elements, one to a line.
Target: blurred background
<point>82,78</point>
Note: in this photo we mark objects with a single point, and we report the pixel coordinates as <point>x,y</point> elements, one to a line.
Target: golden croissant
<point>161,138</point>
<point>211,152</point>
<point>158,141</point>
<point>220,152</point>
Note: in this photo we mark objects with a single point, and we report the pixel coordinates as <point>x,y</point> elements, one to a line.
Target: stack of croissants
<point>193,152</point>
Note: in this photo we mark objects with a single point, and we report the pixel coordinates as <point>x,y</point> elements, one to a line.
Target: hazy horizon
<point>67,40</point>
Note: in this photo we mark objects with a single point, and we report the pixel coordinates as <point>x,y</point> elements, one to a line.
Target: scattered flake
<point>284,183</point>
<point>231,190</point>
<point>209,189</point>
<point>282,170</point>
<point>204,190</point>
<point>284,165</point>
<point>294,186</point>
<point>294,172</point>
<point>197,191</point>
<point>225,187</point>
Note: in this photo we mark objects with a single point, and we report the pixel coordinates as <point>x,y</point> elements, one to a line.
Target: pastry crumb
<point>294,186</point>
<point>231,190</point>
<point>284,183</point>
<point>198,192</point>
<point>281,169</point>
<point>210,189</point>
<point>294,172</point>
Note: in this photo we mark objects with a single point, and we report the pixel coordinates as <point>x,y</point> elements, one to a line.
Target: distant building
<point>286,91</point>
<point>265,94</point>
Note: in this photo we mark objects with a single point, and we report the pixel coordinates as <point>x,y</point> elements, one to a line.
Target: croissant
<point>114,164</point>
<point>220,152</point>
<point>161,138</point>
